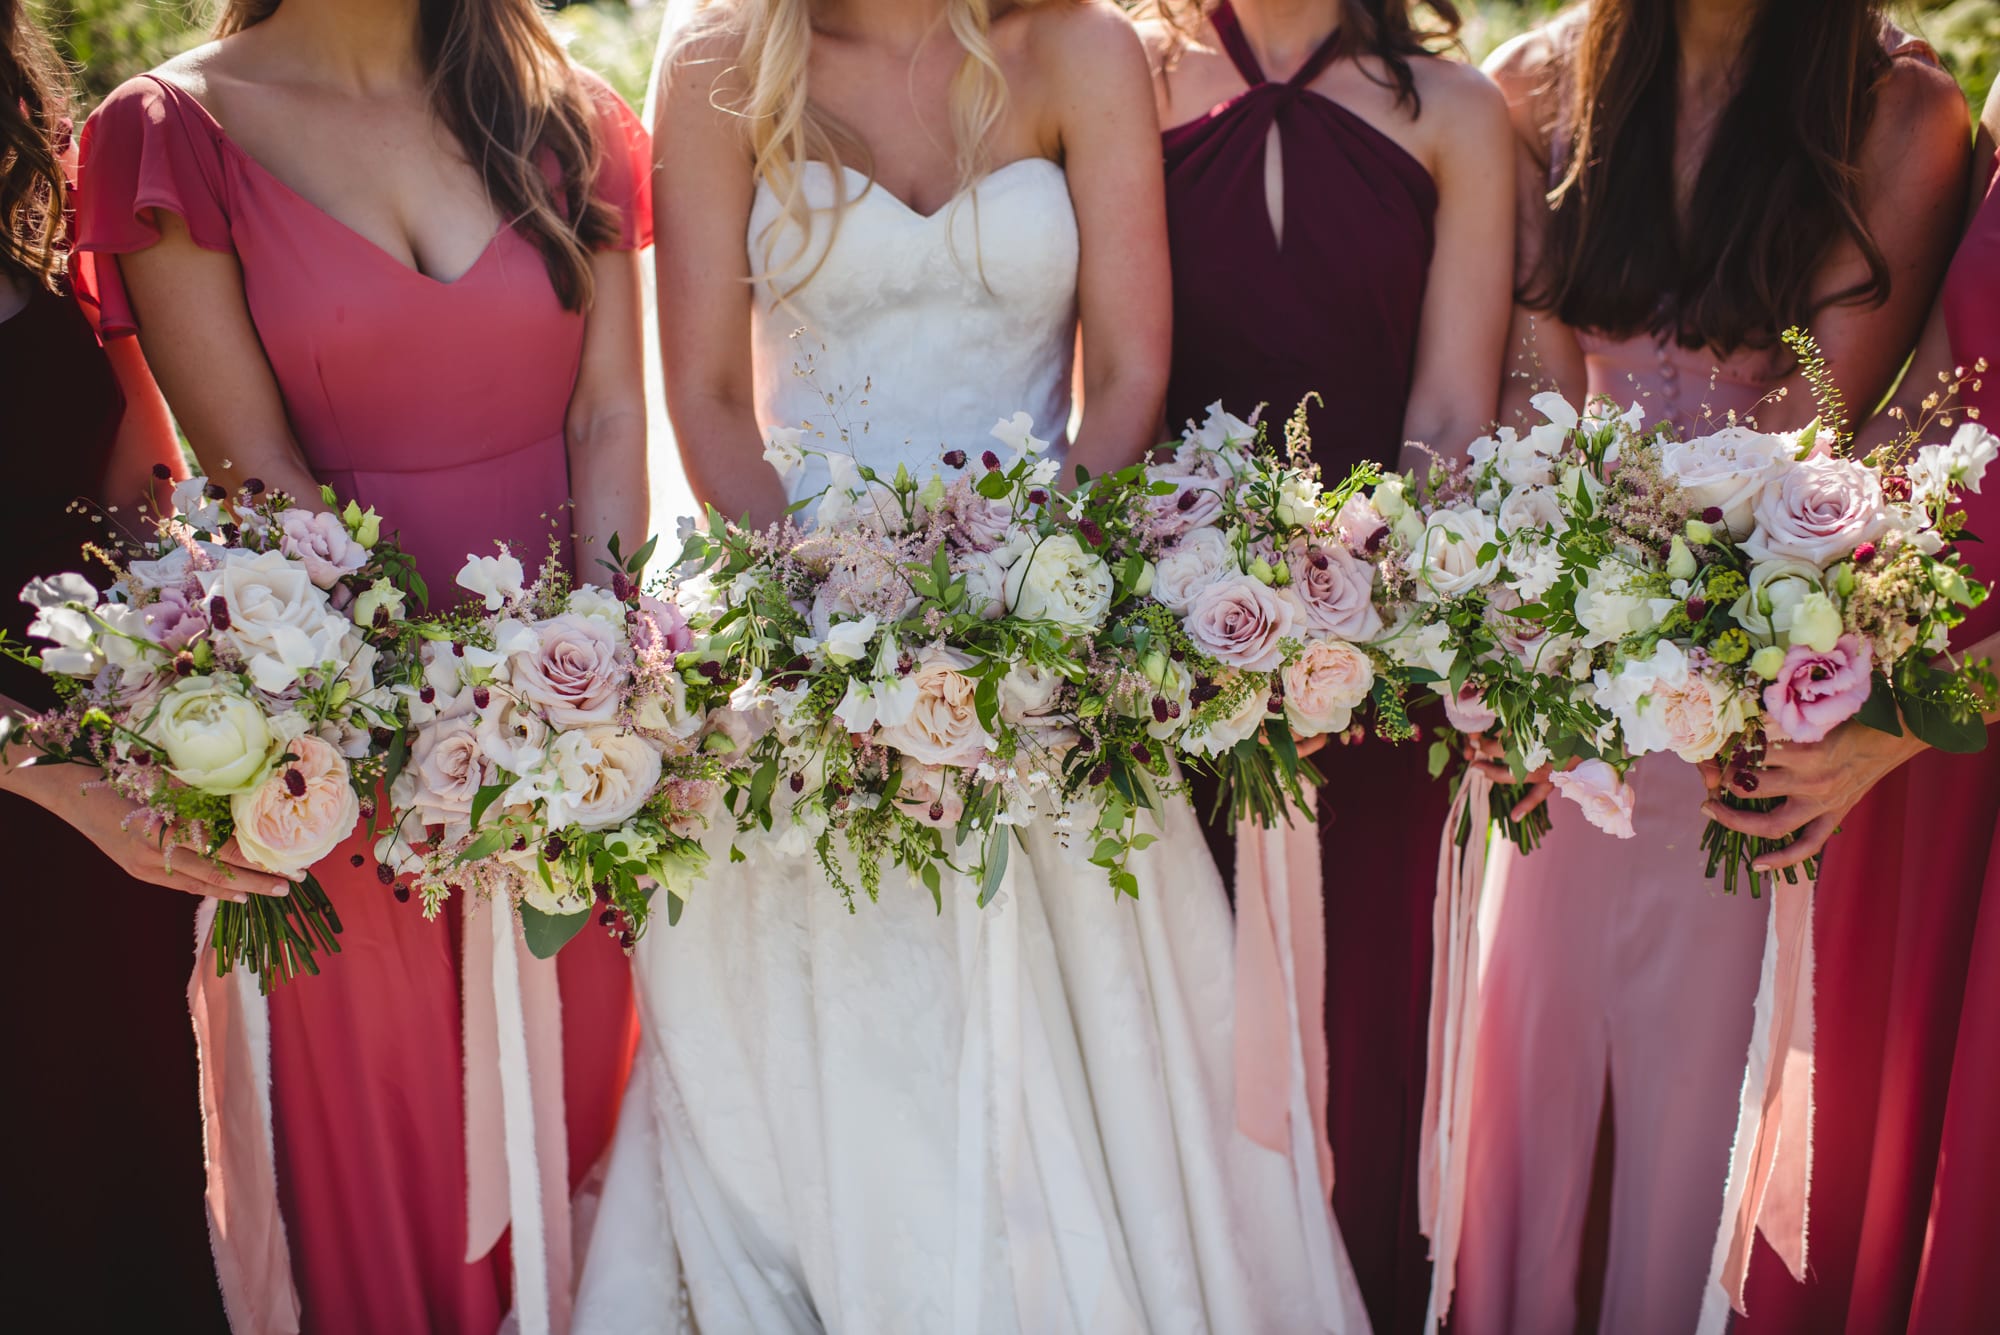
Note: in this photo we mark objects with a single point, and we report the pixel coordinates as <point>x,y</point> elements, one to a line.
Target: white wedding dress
<point>899,1120</point>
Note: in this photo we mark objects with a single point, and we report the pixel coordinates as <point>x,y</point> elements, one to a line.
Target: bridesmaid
<point>1906,1182</point>
<point>99,965</point>
<point>390,246</point>
<point>1716,172</point>
<point>1338,205</point>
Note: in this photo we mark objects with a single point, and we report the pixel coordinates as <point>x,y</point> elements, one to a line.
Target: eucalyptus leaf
<point>546,933</point>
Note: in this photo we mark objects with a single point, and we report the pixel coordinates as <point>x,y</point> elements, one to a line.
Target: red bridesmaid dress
<point>442,405</point>
<point>104,1184</point>
<point>1905,1207</point>
<point>1334,309</point>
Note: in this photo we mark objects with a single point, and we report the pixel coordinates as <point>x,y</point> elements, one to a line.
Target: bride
<point>889,216</point>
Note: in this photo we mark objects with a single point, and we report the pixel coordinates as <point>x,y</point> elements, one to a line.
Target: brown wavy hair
<point>1388,30</point>
<point>34,120</point>
<point>1778,187</point>
<point>507,93</point>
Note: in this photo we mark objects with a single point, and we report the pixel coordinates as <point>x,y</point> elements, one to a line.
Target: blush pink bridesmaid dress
<point>442,405</point>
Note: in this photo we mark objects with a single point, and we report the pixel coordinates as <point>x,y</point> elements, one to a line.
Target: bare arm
<point>606,424</point>
<point>145,436</point>
<point>1110,137</point>
<point>1469,295</point>
<point>195,327</point>
<point>702,191</point>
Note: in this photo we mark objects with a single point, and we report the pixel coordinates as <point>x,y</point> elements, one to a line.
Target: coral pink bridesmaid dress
<point>1334,309</point>
<point>1905,1204</point>
<point>442,405</point>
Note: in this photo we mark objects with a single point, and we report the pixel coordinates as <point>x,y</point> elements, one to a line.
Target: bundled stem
<point>280,936</point>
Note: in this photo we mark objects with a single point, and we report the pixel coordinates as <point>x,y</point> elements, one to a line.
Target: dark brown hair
<point>1387,30</point>
<point>33,121</point>
<point>506,92</point>
<point>1776,189</point>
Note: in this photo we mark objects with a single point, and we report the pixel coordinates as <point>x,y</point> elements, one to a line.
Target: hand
<point>101,814</point>
<point>1310,746</point>
<point>1819,785</point>
<point>1487,755</point>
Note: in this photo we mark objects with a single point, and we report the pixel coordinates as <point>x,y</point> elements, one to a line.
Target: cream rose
<point>1533,509</point>
<point>1057,580</point>
<point>573,669</point>
<point>300,813</point>
<point>1198,560</point>
<point>1448,553</point>
<point>943,724</point>
<point>602,774</point>
<point>1727,471</point>
<point>1323,685</point>
<point>215,737</point>
<point>275,611</point>
<point>1241,622</point>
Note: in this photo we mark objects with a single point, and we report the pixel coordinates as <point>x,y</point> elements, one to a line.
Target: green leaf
<point>763,783</point>
<point>485,798</point>
<point>1937,725</point>
<point>485,846</point>
<point>934,883</point>
<point>993,486</point>
<point>399,754</point>
<point>1879,711</point>
<point>643,555</point>
<point>546,933</point>
<point>986,700</point>
<point>1440,757</point>
<point>997,848</point>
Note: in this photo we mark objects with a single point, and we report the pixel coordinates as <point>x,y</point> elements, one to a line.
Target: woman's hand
<point>101,815</point>
<point>1488,756</point>
<point>1819,785</point>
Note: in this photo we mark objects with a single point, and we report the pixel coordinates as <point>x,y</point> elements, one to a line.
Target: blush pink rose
<point>177,619</point>
<point>1335,591</point>
<point>929,796</point>
<point>1360,525</point>
<point>319,542</point>
<point>1467,711</point>
<point>1818,510</point>
<point>447,769</point>
<point>1238,621</point>
<point>574,670</point>
<point>660,626</point>
<point>1607,800</point>
<point>943,728</point>
<point>1814,692</point>
<point>1323,685</point>
<point>299,813</point>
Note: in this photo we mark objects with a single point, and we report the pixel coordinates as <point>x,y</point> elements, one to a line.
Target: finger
<point>1311,745</point>
<point>1773,824</point>
<point>178,879</point>
<point>231,854</point>
<point>1711,775</point>
<point>1494,770</point>
<point>1810,843</point>
<point>1536,796</point>
<point>228,880</point>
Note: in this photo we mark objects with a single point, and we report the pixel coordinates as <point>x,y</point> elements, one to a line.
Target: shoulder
<point>1080,37</point>
<point>700,66</point>
<point>1919,130</point>
<point>1460,93</point>
<point>1528,72</point>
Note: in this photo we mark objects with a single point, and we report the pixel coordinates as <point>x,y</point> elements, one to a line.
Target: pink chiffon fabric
<point>441,404</point>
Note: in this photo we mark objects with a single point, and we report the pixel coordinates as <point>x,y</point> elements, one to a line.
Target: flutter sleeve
<point>625,165</point>
<point>148,147</point>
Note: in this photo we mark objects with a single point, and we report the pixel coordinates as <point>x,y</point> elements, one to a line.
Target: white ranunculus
<point>1727,470</point>
<point>1532,509</point>
<point>1448,553</point>
<point>216,738</point>
<point>1057,580</point>
<point>1298,500</point>
<point>588,600</point>
<point>1609,608</point>
<point>493,578</point>
<point>1198,560</point>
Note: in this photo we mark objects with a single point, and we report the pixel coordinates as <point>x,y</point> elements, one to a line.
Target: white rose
<point>1727,471</point>
<point>1198,560</point>
<point>603,776</point>
<point>1216,736</point>
<point>216,738</point>
<point>1609,609</point>
<point>985,579</point>
<point>588,600</point>
<point>276,614</point>
<point>1448,553</point>
<point>1057,580</point>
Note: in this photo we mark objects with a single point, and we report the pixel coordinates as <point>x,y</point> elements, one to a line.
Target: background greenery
<point>111,40</point>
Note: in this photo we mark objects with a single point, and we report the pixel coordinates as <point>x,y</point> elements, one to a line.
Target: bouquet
<point>232,679</point>
<point>552,756</point>
<point>1710,595</point>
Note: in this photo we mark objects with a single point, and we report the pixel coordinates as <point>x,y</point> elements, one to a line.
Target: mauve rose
<point>1467,710</point>
<point>1323,685</point>
<point>943,728</point>
<point>660,624</point>
<point>1818,510</point>
<point>1240,622</point>
<point>1195,502</point>
<point>299,812</point>
<point>1815,692</point>
<point>1198,560</point>
<point>1334,590</point>
<point>446,769</point>
<point>319,541</point>
<point>978,522</point>
<point>176,620</point>
<point>1359,522</point>
<point>573,670</point>
<point>1607,800</point>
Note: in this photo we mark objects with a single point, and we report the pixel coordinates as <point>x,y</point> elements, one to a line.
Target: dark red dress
<point>104,1170</point>
<point>1333,309</point>
<point>1905,1208</point>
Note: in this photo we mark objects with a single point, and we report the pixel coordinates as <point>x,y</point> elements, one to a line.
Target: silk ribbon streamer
<point>516,1148</point>
<point>246,1229</point>
<point>1458,960</point>
<point>1770,1165</point>
<point>1281,984</point>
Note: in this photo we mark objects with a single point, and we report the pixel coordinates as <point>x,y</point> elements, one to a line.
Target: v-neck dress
<point>442,405</point>
<point>1335,309</point>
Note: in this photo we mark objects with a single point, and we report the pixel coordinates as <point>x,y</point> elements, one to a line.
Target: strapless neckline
<point>871,187</point>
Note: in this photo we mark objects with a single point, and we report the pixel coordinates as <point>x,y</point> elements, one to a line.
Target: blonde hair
<point>772,41</point>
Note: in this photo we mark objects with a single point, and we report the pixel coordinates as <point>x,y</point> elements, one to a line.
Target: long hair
<point>507,94</point>
<point>773,40</point>
<point>1776,189</point>
<point>1386,30</point>
<point>33,119</point>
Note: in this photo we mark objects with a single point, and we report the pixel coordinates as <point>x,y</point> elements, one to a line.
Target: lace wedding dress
<point>1016,1118</point>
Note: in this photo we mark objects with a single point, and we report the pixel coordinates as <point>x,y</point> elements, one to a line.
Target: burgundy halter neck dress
<point>1333,308</point>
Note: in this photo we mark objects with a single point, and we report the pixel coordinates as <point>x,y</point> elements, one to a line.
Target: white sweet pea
<point>192,504</point>
<point>1962,463</point>
<point>856,710</point>
<point>784,452</point>
<point>1556,409</point>
<point>1017,434</point>
<point>493,578</point>
<point>1298,500</point>
<point>847,641</point>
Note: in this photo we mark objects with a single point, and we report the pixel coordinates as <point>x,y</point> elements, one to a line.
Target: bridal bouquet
<point>232,679</point>
<point>553,757</point>
<point>1710,595</point>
